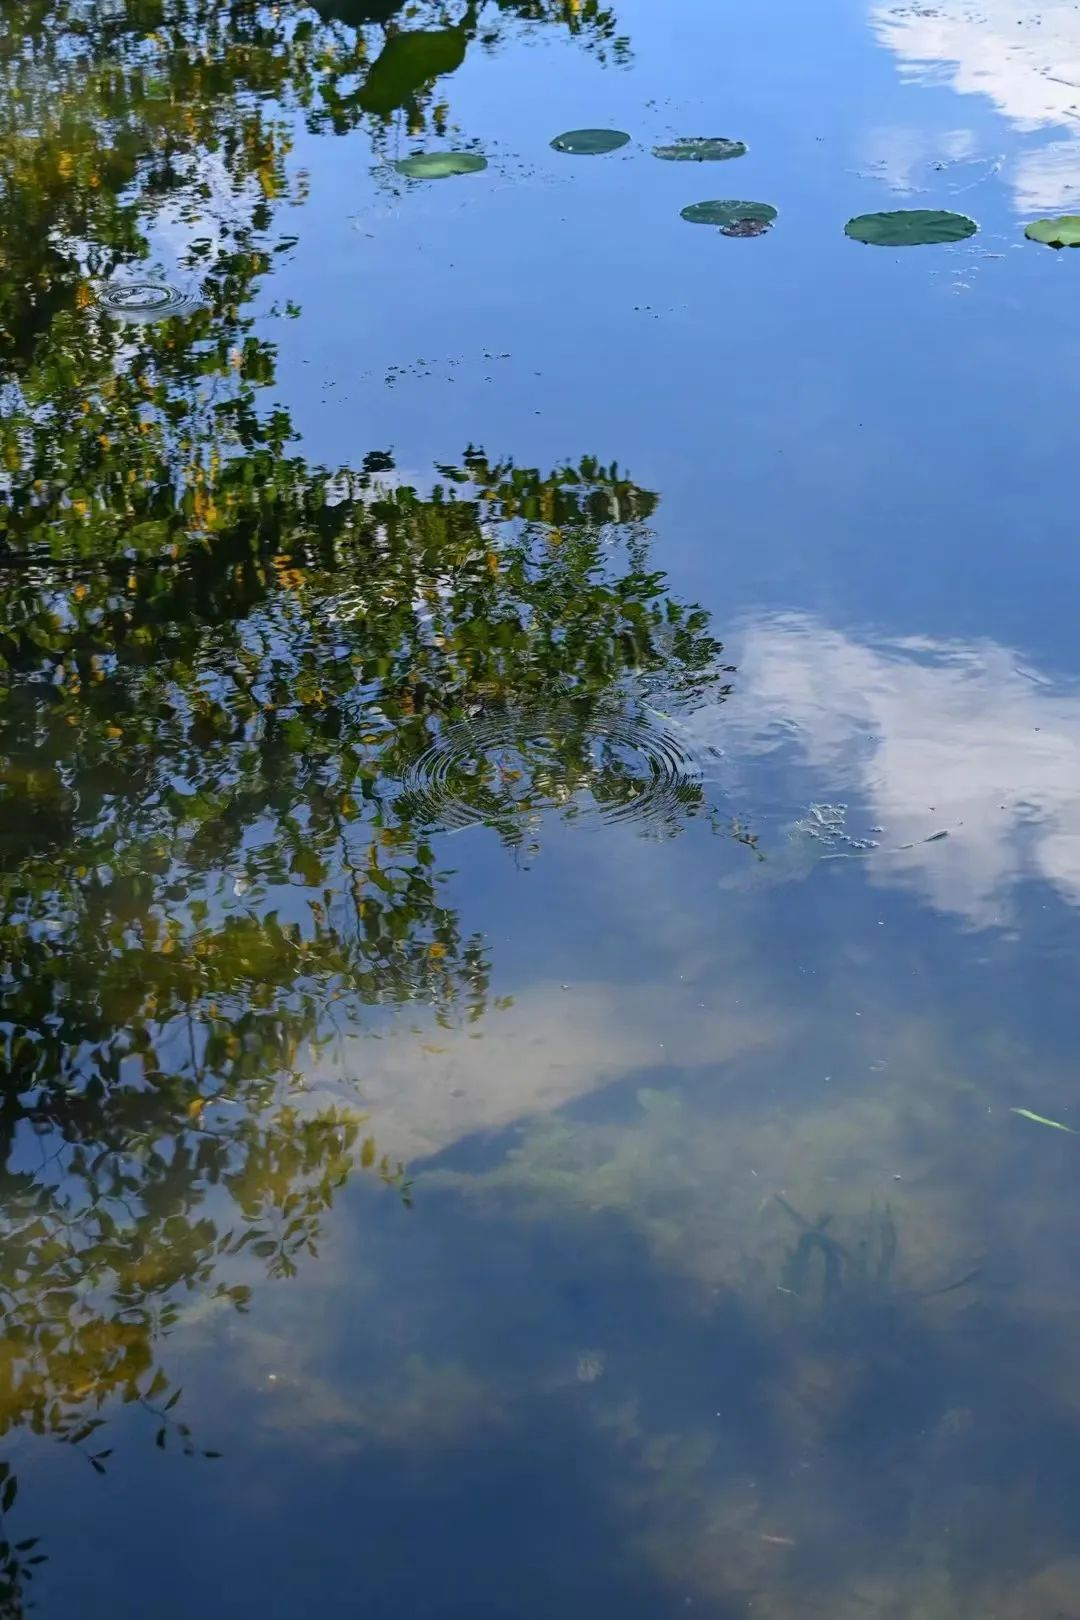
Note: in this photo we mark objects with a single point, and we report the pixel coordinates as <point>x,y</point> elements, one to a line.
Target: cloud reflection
<point>1028,64</point>
<point>934,735</point>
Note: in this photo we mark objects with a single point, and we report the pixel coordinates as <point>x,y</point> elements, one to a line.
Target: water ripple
<point>145,300</point>
<point>509,768</point>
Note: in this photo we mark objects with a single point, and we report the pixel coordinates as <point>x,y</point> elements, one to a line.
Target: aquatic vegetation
<point>910,227</point>
<point>867,1264</point>
<point>590,142</point>
<point>1056,233</point>
<point>700,149</point>
<point>440,165</point>
<point>731,217</point>
<point>1040,1119</point>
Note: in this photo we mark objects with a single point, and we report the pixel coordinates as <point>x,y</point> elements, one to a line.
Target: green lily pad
<point>701,149</point>
<point>1056,233</point>
<point>590,142</point>
<point>439,165</point>
<point>732,218</point>
<point>910,227</point>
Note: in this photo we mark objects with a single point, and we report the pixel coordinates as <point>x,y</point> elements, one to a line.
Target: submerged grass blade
<point>1039,1119</point>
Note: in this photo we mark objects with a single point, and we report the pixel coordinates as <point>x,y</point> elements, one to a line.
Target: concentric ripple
<point>145,300</point>
<point>509,769</point>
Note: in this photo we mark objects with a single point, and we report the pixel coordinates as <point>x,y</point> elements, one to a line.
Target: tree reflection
<point>116,111</point>
<point>409,49</point>
<point>217,659</point>
<point>205,874</point>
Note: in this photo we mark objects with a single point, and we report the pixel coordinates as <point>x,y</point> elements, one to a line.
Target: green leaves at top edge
<point>1056,233</point>
<point>590,142</point>
<point>910,227</point>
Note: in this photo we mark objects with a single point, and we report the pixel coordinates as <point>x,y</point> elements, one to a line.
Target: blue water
<point>538,980</point>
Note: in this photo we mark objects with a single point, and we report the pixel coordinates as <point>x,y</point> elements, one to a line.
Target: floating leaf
<point>1056,233</point>
<point>590,142</point>
<point>732,218</point>
<point>440,165</point>
<point>700,149</point>
<point>910,227</point>
<point>1040,1119</point>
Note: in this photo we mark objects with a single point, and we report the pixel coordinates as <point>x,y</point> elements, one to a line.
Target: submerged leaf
<point>590,142</point>
<point>1039,1119</point>
<point>1056,233</point>
<point>733,218</point>
<point>910,227</point>
<point>440,165</point>
<point>701,149</point>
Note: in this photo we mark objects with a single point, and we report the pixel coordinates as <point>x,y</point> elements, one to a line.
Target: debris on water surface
<point>700,149</point>
<point>1040,1119</point>
<point>590,1366</point>
<point>827,824</point>
<point>745,227</point>
<point>934,838</point>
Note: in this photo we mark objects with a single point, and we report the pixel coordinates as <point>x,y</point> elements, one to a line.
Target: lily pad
<point>732,218</point>
<point>439,165</point>
<point>701,149</point>
<point>910,227</point>
<point>590,142</point>
<point>1056,233</point>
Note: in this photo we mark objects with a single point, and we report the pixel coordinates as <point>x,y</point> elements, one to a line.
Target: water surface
<point>539,831</point>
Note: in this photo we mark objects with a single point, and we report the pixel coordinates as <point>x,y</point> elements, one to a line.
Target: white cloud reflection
<point>931,735</point>
<point>1027,62</point>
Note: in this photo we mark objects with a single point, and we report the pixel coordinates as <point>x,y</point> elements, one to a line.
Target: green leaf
<point>408,61</point>
<point>159,1384</point>
<point>1056,233</point>
<point>10,1492</point>
<point>701,149</point>
<point>733,218</point>
<point>590,142</point>
<point>1041,1119</point>
<point>440,165</point>
<point>910,227</point>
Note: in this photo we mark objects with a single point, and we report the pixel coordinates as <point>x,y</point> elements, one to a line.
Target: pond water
<point>539,811</point>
